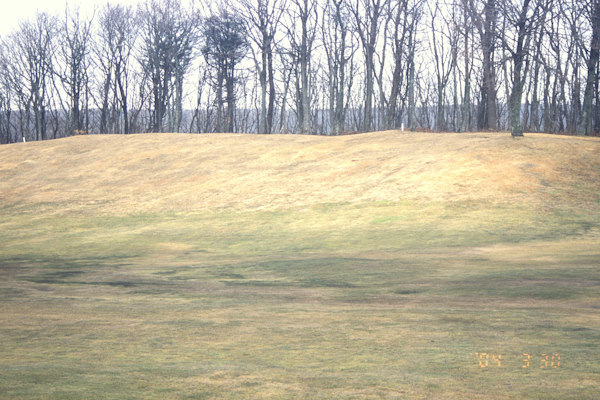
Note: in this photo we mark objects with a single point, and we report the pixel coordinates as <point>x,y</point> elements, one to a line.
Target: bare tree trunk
<point>272,92</point>
<point>524,26</point>
<point>534,124</point>
<point>402,29</point>
<point>230,98</point>
<point>367,14</point>
<point>444,61</point>
<point>466,114</point>
<point>488,86</point>
<point>286,71</point>
<point>263,17</point>
<point>220,102</point>
<point>585,122</point>
<point>411,83</point>
<point>262,78</point>
<point>304,61</point>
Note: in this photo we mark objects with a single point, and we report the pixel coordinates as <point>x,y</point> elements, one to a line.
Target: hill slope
<point>125,273</point>
<point>161,172</point>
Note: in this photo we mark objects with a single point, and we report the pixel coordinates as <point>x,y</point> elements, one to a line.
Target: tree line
<point>304,66</point>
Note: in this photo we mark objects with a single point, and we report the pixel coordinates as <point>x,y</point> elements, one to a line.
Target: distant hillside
<point>181,172</point>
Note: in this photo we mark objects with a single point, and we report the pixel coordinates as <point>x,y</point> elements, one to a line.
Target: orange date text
<point>525,360</point>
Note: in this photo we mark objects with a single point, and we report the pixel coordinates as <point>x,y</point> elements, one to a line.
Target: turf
<point>443,289</point>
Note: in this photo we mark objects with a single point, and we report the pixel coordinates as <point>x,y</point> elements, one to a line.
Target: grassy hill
<point>161,172</point>
<point>390,264</point>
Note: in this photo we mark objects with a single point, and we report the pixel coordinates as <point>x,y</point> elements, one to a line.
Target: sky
<point>14,11</point>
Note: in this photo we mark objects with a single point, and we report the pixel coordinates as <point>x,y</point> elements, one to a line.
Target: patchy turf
<point>387,265</point>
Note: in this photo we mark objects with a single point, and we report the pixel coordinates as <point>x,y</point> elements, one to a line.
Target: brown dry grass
<point>162,172</point>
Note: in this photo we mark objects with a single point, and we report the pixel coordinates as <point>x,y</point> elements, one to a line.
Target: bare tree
<point>288,67</point>
<point>531,119</point>
<point>225,45</point>
<point>339,48</point>
<point>33,51</point>
<point>454,28</point>
<point>169,34</point>
<point>585,121</point>
<point>367,15</point>
<point>521,17</point>
<point>115,43</point>
<point>200,119</point>
<point>445,57</point>
<point>467,56</point>
<point>74,61</point>
<point>263,18</point>
<point>402,28</point>
<point>6,96</point>
<point>411,64</point>
<point>301,40</point>
<point>483,13</point>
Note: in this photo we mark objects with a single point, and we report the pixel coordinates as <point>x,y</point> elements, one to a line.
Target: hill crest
<point>120,174</point>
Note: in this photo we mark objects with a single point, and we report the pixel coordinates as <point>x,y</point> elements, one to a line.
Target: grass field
<point>385,265</point>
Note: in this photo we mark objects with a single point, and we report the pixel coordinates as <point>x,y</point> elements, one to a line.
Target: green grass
<point>395,300</point>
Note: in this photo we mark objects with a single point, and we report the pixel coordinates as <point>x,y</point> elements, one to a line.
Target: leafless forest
<point>304,66</point>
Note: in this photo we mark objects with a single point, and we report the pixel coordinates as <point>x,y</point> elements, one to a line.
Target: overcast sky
<point>14,11</point>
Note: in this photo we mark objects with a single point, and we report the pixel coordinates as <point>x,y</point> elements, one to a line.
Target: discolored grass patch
<point>254,304</point>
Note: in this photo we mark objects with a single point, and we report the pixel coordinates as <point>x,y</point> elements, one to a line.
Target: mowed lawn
<point>474,285</point>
